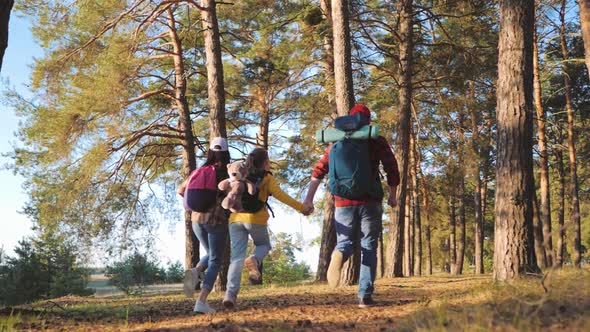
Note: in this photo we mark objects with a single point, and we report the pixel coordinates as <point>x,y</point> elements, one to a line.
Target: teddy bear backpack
<point>201,191</point>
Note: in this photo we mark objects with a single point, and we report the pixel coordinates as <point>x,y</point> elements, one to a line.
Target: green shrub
<point>174,272</point>
<point>134,272</point>
<point>42,268</point>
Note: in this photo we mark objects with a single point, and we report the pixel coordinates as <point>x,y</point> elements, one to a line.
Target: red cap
<point>360,108</point>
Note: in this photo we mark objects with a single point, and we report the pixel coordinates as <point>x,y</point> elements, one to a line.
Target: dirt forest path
<point>407,304</point>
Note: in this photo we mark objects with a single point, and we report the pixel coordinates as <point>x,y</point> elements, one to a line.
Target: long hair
<point>256,159</point>
<point>218,158</point>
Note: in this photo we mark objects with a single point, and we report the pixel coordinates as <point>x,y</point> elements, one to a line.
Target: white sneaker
<point>190,281</point>
<point>203,308</point>
<point>229,301</point>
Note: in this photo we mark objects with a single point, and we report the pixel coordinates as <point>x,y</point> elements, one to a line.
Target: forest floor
<point>560,302</point>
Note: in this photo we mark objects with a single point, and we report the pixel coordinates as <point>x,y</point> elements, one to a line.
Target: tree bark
<point>215,86</point>
<point>571,143</point>
<point>461,154</point>
<point>538,235</point>
<point>216,100</point>
<point>380,263</point>
<point>585,25</point>
<point>461,243</point>
<point>328,239</point>
<point>513,244</point>
<point>560,250</point>
<point>426,210</point>
<point>189,162</point>
<point>452,236</point>
<point>344,93</point>
<point>262,138</point>
<point>342,57</point>
<point>328,55</point>
<point>477,199</point>
<point>5,8</point>
<point>545,191</point>
<point>416,202</point>
<point>409,220</point>
<point>395,248</point>
<point>408,238</point>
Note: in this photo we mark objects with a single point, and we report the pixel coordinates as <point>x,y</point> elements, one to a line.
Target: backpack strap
<point>269,209</point>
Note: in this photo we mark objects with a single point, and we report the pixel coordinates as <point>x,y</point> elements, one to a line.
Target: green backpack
<point>350,171</point>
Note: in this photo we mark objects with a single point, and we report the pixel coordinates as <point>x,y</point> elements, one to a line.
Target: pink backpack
<point>200,194</point>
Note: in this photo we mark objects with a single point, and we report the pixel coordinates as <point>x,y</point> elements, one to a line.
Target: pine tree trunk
<point>479,268</point>
<point>417,215</point>
<point>513,244</point>
<point>426,210</point>
<point>461,243</point>
<point>5,8</point>
<point>395,246</point>
<point>262,137</point>
<point>560,250</point>
<point>409,220</point>
<point>585,25</point>
<point>328,54</point>
<point>351,269</point>
<point>221,282</point>
<point>545,191</point>
<point>408,238</point>
<point>215,86</point>
<point>380,263</point>
<point>406,241</point>
<point>189,162</point>
<point>216,100</point>
<point>344,93</point>
<point>328,239</point>
<point>477,199</point>
<point>571,143</point>
<point>452,236</point>
<point>538,234</point>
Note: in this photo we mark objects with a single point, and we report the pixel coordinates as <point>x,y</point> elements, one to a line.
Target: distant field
<point>100,283</point>
<point>98,280</point>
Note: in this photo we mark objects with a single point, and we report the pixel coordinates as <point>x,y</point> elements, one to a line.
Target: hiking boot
<point>229,301</point>
<point>203,308</point>
<point>335,269</point>
<point>254,274</point>
<point>366,302</point>
<point>192,279</point>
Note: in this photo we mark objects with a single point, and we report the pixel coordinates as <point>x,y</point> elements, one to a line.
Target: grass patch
<point>524,305</point>
<point>8,324</point>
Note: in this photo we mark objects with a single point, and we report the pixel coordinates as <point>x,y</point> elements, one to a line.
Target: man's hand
<point>308,208</point>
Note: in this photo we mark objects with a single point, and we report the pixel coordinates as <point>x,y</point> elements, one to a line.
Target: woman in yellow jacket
<point>255,225</point>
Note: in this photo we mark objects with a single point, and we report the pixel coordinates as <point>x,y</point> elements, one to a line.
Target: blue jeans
<point>238,233</point>
<point>213,238</point>
<point>349,219</point>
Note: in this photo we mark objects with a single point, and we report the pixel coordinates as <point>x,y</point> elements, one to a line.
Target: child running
<point>211,229</point>
<point>254,224</point>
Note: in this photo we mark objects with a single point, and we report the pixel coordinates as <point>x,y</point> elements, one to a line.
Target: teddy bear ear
<point>228,166</point>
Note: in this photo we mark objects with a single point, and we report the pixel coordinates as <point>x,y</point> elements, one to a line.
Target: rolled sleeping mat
<point>333,134</point>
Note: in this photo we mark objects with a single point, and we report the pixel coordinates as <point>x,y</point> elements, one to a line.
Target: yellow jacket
<point>269,186</point>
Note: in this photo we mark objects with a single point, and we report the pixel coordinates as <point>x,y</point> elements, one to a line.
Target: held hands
<point>308,208</point>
